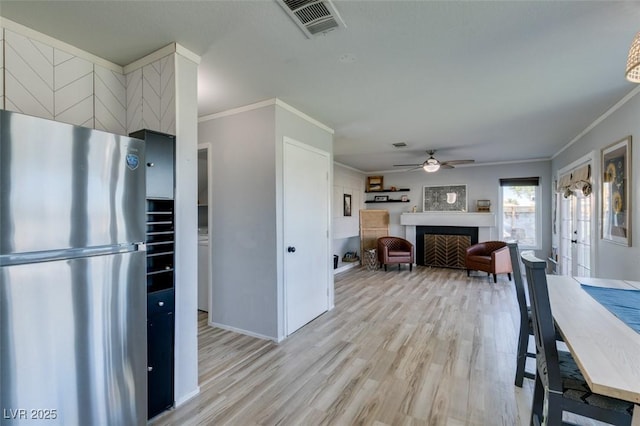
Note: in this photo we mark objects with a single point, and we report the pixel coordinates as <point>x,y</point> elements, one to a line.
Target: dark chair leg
<point>495,278</point>
<point>538,402</point>
<point>410,267</point>
<point>521,361</point>
<point>468,272</point>
<point>385,267</point>
<point>554,410</point>
<point>509,275</point>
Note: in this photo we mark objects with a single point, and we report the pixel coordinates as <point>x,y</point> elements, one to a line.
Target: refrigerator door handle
<point>63,254</point>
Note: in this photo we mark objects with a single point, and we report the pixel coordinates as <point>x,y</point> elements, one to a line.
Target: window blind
<point>523,181</point>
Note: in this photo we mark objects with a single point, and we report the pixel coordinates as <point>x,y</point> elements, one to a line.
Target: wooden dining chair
<point>526,328</point>
<point>557,372</point>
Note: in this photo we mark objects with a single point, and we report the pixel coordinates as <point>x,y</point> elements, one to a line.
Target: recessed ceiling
<point>492,81</point>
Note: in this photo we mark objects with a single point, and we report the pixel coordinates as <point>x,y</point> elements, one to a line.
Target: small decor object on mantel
<point>484,205</point>
<point>404,199</point>
<point>374,183</point>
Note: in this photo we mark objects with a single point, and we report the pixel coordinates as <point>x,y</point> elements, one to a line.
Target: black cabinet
<point>160,242</point>
<point>159,159</point>
<point>160,345</point>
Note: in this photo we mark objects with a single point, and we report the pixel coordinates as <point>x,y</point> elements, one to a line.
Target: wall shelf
<point>388,201</point>
<point>388,190</point>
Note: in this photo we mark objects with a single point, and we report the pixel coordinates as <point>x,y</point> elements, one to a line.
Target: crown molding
<point>599,120</point>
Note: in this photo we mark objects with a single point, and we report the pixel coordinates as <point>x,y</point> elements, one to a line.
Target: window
<point>519,216</point>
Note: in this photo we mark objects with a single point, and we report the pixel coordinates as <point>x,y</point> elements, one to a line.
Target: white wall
<point>346,229</point>
<point>611,260</point>
<point>186,256</point>
<point>483,183</point>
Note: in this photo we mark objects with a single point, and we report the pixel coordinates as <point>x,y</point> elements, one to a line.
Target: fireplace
<point>444,246</point>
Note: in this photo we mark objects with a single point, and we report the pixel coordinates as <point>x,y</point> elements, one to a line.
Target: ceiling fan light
<point>632,72</point>
<point>430,167</point>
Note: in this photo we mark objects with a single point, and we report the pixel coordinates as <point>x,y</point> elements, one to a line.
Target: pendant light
<point>633,61</point>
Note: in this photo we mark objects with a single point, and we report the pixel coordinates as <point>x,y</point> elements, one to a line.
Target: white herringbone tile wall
<point>28,76</point>
<point>134,100</point>
<point>151,97</point>
<point>48,82</point>
<point>73,89</point>
<point>158,95</point>
<point>110,100</point>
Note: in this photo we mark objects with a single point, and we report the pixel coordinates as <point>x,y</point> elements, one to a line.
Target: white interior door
<point>306,233</point>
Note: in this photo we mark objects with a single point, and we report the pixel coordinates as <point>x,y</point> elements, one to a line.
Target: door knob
<point>291,249</point>
<point>574,241</point>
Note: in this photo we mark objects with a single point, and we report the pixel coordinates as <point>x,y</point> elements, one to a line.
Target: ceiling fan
<point>432,165</point>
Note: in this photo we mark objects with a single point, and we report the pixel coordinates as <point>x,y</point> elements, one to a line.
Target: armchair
<point>395,250</point>
<point>491,257</point>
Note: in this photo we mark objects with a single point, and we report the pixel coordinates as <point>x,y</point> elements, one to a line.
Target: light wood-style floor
<point>428,347</point>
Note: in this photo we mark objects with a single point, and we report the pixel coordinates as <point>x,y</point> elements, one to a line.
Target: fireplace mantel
<point>448,219</point>
<point>486,223</point>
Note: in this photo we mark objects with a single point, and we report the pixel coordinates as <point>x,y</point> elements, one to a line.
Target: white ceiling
<point>493,81</point>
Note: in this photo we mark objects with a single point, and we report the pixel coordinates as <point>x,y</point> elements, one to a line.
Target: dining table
<point>606,348</point>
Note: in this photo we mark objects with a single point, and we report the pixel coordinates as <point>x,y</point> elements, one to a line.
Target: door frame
<point>592,159</point>
<point>207,148</point>
<point>281,245</point>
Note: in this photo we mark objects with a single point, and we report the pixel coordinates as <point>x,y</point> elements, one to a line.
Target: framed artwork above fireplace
<point>445,198</point>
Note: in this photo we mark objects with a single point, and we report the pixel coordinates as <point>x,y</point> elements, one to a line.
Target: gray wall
<point>243,227</point>
<point>483,183</point>
<point>246,214</point>
<point>611,260</point>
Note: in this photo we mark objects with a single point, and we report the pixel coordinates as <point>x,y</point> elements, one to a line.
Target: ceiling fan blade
<point>446,166</point>
<point>458,162</point>
<point>407,165</point>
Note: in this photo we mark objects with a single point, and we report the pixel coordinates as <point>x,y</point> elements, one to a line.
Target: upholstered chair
<point>392,250</point>
<point>491,257</point>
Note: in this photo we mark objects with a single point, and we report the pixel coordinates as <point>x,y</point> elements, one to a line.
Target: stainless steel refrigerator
<point>72,275</point>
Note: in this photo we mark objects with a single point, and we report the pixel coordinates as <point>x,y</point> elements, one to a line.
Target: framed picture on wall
<point>616,190</point>
<point>445,198</point>
<point>346,205</point>
<point>374,183</point>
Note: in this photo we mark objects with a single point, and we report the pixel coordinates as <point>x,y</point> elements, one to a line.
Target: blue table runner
<point>623,303</point>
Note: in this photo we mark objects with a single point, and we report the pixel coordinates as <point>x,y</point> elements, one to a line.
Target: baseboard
<point>187,397</point>
<point>242,331</point>
<point>345,267</point>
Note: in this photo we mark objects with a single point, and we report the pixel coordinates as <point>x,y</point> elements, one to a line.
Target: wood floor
<point>428,347</point>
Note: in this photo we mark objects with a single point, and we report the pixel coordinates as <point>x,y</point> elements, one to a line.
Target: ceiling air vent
<point>313,16</point>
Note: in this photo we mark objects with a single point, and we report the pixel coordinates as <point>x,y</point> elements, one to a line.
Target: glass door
<point>576,212</point>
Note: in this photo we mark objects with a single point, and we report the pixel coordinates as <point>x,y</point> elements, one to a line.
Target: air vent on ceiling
<point>313,16</point>
<point>399,144</point>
